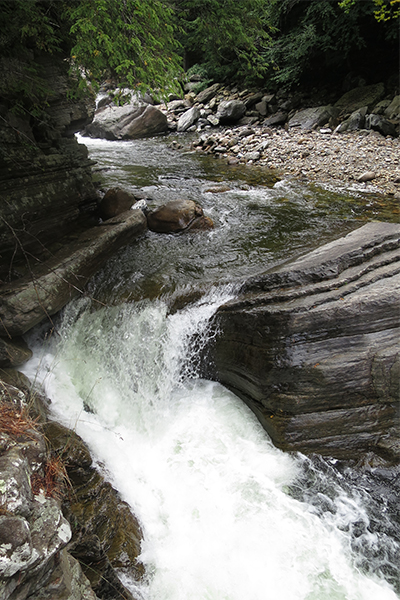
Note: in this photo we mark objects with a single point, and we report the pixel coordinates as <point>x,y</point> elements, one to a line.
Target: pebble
<point>326,158</point>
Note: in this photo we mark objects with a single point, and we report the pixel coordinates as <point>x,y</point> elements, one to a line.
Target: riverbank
<point>360,161</point>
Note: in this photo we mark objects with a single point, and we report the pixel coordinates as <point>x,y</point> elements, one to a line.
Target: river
<point>225,515</point>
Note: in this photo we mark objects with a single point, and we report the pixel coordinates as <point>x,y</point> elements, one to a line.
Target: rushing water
<point>225,515</point>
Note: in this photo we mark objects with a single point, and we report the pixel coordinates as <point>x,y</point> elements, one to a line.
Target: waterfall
<point>213,495</point>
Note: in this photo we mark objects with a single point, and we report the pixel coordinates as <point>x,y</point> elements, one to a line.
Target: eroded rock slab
<point>29,300</point>
<point>313,348</point>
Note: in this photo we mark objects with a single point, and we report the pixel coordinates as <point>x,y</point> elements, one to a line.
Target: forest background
<point>149,44</point>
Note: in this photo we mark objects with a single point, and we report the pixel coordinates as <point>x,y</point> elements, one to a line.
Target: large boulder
<point>127,122</point>
<point>393,110</point>
<point>105,534</point>
<point>313,348</point>
<point>358,97</point>
<point>34,562</point>
<point>311,118</point>
<point>176,216</point>
<point>230,111</point>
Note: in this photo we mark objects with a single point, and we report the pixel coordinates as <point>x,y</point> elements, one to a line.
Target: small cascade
<point>216,500</point>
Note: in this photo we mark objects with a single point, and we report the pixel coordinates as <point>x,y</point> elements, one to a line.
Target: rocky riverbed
<point>362,160</point>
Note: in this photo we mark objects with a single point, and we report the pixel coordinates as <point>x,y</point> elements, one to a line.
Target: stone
<point>311,118</point>
<point>46,182</point>
<point>253,99</point>
<point>176,216</point>
<point>105,534</point>
<point>213,119</point>
<point>128,122</point>
<point>279,118</point>
<point>380,124</point>
<point>354,122</point>
<point>188,118</point>
<point>262,108</point>
<point>114,202</point>
<point>393,110</point>
<point>358,97</point>
<point>380,108</point>
<point>367,176</point>
<point>206,95</point>
<point>230,111</point>
<point>34,298</point>
<point>13,353</point>
<point>253,156</point>
<point>312,347</point>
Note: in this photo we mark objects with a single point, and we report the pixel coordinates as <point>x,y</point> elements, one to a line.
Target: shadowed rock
<point>29,300</point>
<point>313,348</point>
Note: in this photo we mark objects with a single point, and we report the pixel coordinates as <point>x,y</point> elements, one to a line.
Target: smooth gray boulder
<point>127,122</point>
<point>313,348</point>
<point>230,111</point>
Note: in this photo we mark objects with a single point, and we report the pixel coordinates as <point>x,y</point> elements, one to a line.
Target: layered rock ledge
<point>313,348</point>
<point>39,295</point>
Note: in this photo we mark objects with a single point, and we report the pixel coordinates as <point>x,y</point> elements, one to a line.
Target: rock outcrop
<point>65,533</point>
<point>29,300</point>
<point>45,174</point>
<point>33,531</point>
<point>313,348</point>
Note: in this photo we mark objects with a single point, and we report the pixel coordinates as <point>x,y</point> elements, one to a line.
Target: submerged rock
<point>313,348</point>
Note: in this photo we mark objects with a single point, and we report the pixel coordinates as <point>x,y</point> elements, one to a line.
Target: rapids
<point>225,515</point>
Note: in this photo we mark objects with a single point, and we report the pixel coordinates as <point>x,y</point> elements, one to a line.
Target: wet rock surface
<point>313,347</point>
<point>105,535</point>
<point>49,528</point>
<point>45,174</point>
<point>177,216</point>
<point>29,300</point>
<point>33,529</point>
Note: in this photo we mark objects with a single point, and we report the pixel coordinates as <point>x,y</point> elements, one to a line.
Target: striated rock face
<point>29,300</point>
<point>45,175</point>
<point>313,348</point>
